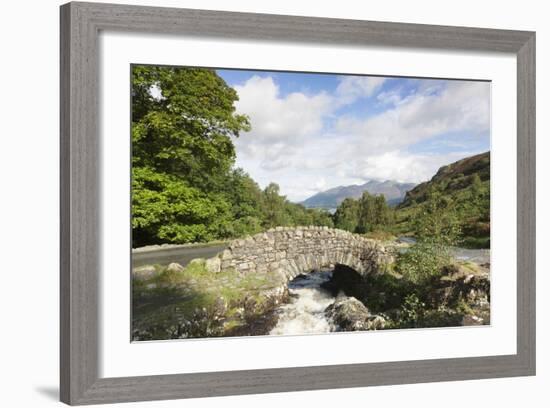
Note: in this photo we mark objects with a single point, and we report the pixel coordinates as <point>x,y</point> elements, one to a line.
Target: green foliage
<point>274,207</point>
<point>346,216</point>
<point>278,211</point>
<point>169,209</point>
<point>412,310</point>
<point>381,235</point>
<point>320,217</point>
<point>188,128</point>
<point>386,291</point>
<point>422,262</point>
<point>436,228</point>
<point>415,293</point>
<point>437,222</point>
<point>476,242</point>
<point>184,184</point>
<point>182,154</point>
<point>465,184</point>
<point>369,213</point>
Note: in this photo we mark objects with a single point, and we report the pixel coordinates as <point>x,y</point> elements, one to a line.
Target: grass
<point>471,266</point>
<point>223,300</point>
<point>381,235</point>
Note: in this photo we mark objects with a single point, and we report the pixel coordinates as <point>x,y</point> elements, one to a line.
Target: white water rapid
<point>305,313</point>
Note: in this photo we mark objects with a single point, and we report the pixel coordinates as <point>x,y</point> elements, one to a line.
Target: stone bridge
<point>291,251</point>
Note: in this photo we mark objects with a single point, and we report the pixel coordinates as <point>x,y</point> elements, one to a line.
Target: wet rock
<point>375,322</point>
<point>348,314</point>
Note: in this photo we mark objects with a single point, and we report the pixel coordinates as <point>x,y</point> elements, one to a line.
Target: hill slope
<point>466,185</point>
<point>451,178</point>
<point>393,191</point>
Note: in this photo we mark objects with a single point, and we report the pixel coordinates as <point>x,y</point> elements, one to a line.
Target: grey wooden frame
<point>80,191</point>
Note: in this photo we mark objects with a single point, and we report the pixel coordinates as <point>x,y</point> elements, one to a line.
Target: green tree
<point>183,120</point>
<point>274,207</point>
<point>166,209</point>
<point>437,222</point>
<point>366,213</point>
<point>298,214</point>
<point>185,187</point>
<point>383,215</point>
<point>320,217</point>
<point>346,216</point>
<point>436,228</point>
<point>186,129</point>
<point>247,202</point>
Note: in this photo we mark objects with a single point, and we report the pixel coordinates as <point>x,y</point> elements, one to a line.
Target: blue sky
<point>312,132</point>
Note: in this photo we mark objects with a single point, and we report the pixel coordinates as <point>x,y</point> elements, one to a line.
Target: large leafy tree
<point>346,216</point>
<point>182,154</point>
<point>373,213</point>
<point>436,228</point>
<point>366,214</point>
<point>184,182</point>
<point>183,120</point>
<point>165,209</point>
<point>274,207</point>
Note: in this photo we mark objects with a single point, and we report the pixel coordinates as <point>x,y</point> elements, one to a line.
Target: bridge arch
<point>291,251</point>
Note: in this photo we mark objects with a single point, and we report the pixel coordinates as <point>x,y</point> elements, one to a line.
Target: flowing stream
<point>305,313</point>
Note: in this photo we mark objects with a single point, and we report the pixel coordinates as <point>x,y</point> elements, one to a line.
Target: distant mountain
<point>452,179</point>
<point>393,191</point>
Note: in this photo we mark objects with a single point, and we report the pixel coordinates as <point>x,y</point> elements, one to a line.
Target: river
<point>479,256</point>
<point>305,313</point>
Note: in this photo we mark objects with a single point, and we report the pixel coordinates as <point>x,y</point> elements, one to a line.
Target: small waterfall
<point>305,314</point>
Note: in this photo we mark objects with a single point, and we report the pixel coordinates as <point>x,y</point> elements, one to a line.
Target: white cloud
<point>279,123</point>
<point>280,118</point>
<point>352,88</point>
<point>290,143</point>
<point>392,97</point>
<point>461,106</point>
<point>321,184</point>
<point>404,167</point>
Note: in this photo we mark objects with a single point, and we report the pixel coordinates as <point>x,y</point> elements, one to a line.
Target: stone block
<point>226,254</point>
<point>213,265</point>
<point>143,273</point>
<point>176,267</point>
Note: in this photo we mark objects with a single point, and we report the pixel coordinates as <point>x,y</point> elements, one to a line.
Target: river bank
<point>177,302</point>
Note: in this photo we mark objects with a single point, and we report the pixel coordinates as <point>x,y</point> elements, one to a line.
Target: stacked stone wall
<point>290,251</point>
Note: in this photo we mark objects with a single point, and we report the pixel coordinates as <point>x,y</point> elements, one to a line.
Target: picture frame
<point>81,23</point>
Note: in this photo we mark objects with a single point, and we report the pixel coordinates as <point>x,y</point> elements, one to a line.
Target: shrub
<point>436,228</point>
<point>423,262</point>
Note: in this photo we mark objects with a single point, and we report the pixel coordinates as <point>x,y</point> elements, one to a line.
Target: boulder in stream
<point>349,314</point>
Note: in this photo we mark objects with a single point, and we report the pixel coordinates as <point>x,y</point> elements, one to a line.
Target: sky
<point>312,132</point>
